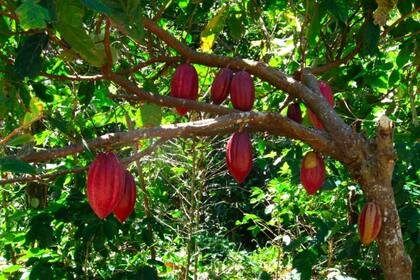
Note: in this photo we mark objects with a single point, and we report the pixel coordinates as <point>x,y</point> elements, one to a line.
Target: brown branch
<point>72,77</point>
<point>107,45</point>
<point>272,122</point>
<point>18,130</point>
<point>135,157</point>
<point>402,18</point>
<point>166,59</point>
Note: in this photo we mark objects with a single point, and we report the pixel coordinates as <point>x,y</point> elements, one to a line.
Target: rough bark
<point>375,175</point>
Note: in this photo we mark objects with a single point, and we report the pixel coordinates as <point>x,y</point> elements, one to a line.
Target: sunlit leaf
<point>32,16</point>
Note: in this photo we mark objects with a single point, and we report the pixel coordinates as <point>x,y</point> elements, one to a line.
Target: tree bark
<point>375,178</point>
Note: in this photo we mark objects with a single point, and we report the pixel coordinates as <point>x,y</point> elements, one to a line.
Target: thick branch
<point>274,123</point>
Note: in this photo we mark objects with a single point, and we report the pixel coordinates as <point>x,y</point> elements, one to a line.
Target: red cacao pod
<point>312,172</point>
<point>242,91</point>
<point>294,112</point>
<point>369,223</point>
<point>328,94</point>
<point>239,155</point>
<point>105,184</point>
<point>221,85</point>
<point>184,84</point>
<point>126,205</point>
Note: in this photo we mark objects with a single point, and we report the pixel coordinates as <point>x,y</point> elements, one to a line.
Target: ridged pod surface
<point>184,84</point>
<point>105,184</point>
<point>328,94</point>
<point>369,222</point>
<point>242,91</point>
<point>294,112</point>
<point>221,85</point>
<point>126,205</point>
<point>239,155</point>
<point>312,172</point>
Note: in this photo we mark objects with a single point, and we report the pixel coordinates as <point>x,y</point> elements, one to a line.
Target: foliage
<point>266,228</point>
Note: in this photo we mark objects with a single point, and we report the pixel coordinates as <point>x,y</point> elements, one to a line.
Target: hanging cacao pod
<point>105,184</point>
<point>294,112</point>
<point>221,85</point>
<point>312,172</point>
<point>242,91</point>
<point>126,205</point>
<point>328,94</point>
<point>369,223</point>
<point>239,155</point>
<point>184,84</point>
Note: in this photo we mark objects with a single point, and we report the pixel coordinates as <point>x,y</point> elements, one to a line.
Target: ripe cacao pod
<point>105,184</point>
<point>369,223</point>
<point>239,155</point>
<point>328,94</point>
<point>242,91</point>
<point>312,172</point>
<point>221,85</point>
<point>126,205</point>
<point>294,112</point>
<point>184,84</point>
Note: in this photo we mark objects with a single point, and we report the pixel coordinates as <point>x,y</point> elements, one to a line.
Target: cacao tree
<point>100,97</point>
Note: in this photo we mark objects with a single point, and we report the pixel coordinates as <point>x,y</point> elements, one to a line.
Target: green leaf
<point>98,6</point>
<point>12,268</point>
<point>235,26</point>
<point>151,115</point>
<point>28,61</point>
<point>370,39</point>
<point>213,28</point>
<point>70,25</point>
<point>20,139</point>
<point>404,55</point>
<point>127,14</point>
<point>337,9</point>
<point>314,26</point>
<point>36,109</point>
<point>8,164</point>
<point>147,273</point>
<point>41,92</point>
<point>394,77</point>
<point>32,16</point>
<point>85,92</point>
<point>4,31</point>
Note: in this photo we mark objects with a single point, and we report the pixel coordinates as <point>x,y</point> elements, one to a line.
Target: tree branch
<point>135,157</point>
<point>274,123</point>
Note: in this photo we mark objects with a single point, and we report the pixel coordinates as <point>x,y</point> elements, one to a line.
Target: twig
<point>167,59</point>
<point>403,17</point>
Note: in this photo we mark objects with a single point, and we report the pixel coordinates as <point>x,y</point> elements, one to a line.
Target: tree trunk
<point>375,178</point>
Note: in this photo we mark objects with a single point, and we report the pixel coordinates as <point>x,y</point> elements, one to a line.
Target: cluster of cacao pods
<point>184,84</point>
<point>369,223</point>
<point>240,86</point>
<point>110,188</point>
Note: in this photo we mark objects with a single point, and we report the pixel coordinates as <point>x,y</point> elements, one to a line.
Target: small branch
<point>18,130</point>
<point>169,60</point>
<point>135,157</point>
<point>402,18</point>
<point>107,45</point>
<point>72,77</point>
